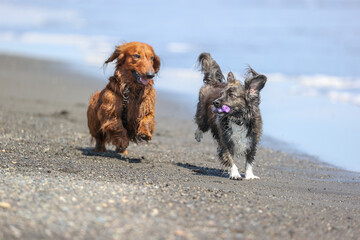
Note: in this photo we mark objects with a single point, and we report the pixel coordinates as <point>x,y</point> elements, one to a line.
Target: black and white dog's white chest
<point>240,138</point>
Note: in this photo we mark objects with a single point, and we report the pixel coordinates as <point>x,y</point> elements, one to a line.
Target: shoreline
<point>54,186</point>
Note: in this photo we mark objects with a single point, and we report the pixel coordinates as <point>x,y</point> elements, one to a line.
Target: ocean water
<point>309,49</point>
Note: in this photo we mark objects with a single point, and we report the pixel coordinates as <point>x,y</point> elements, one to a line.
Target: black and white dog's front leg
<point>226,148</point>
<point>234,172</point>
<point>226,158</point>
<point>250,157</point>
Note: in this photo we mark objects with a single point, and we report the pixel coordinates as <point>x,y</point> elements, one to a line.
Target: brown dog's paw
<point>122,151</point>
<point>145,137</point>
<point>144,134</point>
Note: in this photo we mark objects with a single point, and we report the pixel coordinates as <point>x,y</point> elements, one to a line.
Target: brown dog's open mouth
<point>140,79</point>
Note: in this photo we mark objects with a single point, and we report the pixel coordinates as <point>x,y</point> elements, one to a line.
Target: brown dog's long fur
<point>124,110</point>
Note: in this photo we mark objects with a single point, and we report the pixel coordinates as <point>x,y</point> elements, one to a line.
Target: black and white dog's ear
<point>254,81</point>
<point>253,86</point>
<point>230,78</point>
<point>210,69</point>
<point>251,72</point>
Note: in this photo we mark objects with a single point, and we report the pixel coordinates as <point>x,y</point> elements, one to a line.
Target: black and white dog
<point>231,110</point>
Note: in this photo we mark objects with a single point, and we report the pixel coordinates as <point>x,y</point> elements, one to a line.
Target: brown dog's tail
<point>210,69</point>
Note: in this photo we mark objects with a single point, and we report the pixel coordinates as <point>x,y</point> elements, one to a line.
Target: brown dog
<point>124,110</point>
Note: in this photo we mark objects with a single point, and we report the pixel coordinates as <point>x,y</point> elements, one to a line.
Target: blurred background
<point>309,49</point>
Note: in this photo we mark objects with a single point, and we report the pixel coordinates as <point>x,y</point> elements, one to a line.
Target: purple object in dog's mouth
<point>224,108</point>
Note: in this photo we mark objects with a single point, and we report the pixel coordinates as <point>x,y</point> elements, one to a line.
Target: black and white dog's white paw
<point>249,175</point>
<point>234,173</point>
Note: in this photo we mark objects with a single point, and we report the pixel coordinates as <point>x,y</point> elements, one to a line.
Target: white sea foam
<point>344,97</point>
<point>323,81</point>
<point>94,49</point>
<point>22,15</point>
<point>179,47</point>
<point>338,89</point>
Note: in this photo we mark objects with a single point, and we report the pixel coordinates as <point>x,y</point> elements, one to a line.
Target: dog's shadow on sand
<point>204,170</point>
<point>109,154</point>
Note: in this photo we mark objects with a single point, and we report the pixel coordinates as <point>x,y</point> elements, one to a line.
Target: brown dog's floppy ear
<point>117,54</point>
<point>231,78</point>
<point>156,63</point>
<point>112,57</point>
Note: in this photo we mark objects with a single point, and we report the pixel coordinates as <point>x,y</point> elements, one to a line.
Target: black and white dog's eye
<point>136,56</point>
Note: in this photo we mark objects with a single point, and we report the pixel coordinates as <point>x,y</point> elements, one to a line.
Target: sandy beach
<point>53,186</point>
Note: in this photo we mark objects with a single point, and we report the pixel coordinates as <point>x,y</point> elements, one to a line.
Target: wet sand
<point>53,186</point>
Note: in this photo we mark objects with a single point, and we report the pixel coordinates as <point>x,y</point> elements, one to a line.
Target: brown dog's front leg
<point>146,116</point>
<point>121,141</point>
<point>146,127</point>
<point>121,150</point>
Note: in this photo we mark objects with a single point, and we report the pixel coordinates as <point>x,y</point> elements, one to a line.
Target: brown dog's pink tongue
<point>144,81</point>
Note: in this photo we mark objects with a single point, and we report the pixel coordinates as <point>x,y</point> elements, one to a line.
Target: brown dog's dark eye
<point>136,56</point>
<point>152,57</point>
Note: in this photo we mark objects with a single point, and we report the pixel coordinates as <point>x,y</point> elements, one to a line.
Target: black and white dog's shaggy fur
<point>231,110</point>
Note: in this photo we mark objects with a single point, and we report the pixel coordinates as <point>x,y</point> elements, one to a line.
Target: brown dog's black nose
<point>150,75</point>
<point>216,103</point>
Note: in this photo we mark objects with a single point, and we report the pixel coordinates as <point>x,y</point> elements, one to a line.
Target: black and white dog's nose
<point>150,75</point>
<point>216,103</point>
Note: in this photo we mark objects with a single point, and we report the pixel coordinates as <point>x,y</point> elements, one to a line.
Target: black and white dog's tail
<point>210,69</point>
